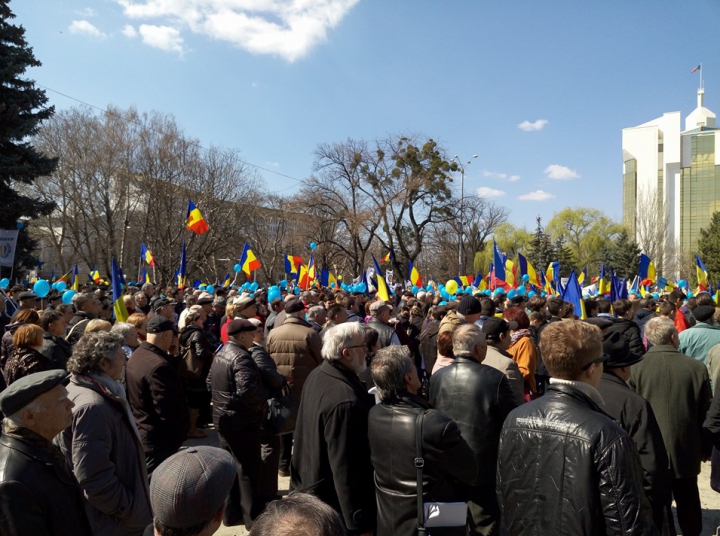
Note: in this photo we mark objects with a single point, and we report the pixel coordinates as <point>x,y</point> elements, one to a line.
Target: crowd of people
<point>479,416</point>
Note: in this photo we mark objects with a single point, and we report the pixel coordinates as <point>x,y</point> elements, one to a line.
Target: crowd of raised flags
<point>503,276</point>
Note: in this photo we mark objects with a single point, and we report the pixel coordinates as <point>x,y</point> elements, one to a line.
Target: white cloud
<point>83,27</point>
<point>537,195</point>
<point>129,31</point>
<point>86,12</point>
<point>286,28</point>
<point>484,191</point>
<point>163,37</point>
<point>556,171</point>
<point>527,126</point>
<point>500,176</point>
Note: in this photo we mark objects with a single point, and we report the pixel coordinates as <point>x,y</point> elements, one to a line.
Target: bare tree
<point>652,231</point>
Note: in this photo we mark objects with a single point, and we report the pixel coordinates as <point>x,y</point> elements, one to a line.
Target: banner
<point>8,241</point>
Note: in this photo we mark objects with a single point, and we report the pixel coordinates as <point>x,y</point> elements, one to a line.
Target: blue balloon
<point>313,245</point>
<point>210,289</point>
<point>361,287</point>
<point>68,296</point>
<point>655,295</point>
<point>444,293</point>
<point>511,293</point>
<point>273,293</point>
<point>254,286</point>
<point>442,303</point>
<point>283,283</point>
<point>245,286</point>
<point>521,291</point>
<point>237,268</point>
<point>61,286</point>
<point>332,284</point>
<point>296,291</point>
<point>468,289</point>
<point>414,289</point>
<point>4,283</point>
<point>430,288</point>
<point>525,278</point>
<point>19,225</point>
<point>682,283</point>
<point>690,294</point>
<point>531,294</point>
<point>41,288</point>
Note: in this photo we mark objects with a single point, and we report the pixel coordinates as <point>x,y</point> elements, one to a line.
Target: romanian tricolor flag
<point>303,279</point>
<point>696,69</point>
<point>227,281</point>
<point>327,279</point>
<point>414,275</point>
<point>248,261</point>
<point>382,290</point>
<point>182,271</point>
<point>194,220</point>
<point>510,271</point>
<point>646,271</point>
<point>311,269</point>
<point>75,280</point>
<point>583,277</point>
<point>119,309</point>
<point>146,255</point>
<point>67,277</point>
<point>292,264</point>
<point>95,276</point>
<point>603,283</point>
<point>702,274</point>
<point>389,257</point>
<point>527,269</point>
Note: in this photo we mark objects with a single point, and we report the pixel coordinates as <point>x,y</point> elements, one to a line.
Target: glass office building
<point>677,169</point>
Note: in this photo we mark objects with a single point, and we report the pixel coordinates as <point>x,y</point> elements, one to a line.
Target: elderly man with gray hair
<point>332,454</point>
<point>38,494</point>
<point>663,378</point>
<point>392,427</point>
<point>478,398</point>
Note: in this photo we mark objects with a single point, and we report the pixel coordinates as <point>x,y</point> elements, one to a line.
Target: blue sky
<point>539,90</point>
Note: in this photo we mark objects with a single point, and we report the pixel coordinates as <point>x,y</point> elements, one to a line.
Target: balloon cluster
<point>357,287</point>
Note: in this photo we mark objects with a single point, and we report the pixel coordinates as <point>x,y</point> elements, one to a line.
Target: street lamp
<point>462,197</point>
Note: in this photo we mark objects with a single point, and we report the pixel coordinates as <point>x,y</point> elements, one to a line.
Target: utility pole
<point>462,208</point>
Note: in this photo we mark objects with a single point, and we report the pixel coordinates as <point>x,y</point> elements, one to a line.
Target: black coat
<point>712,430</point>
<point>57,350</point>
<point>447,457</point>
<point>634,415</point>
<point>157,397</point>
<point>38,494</point>
<point>272,380</point>
<point>629,330</point>
<point>478,398</point>
<point>566,468</point>
<point>331,458</point>
<point>238,397</point>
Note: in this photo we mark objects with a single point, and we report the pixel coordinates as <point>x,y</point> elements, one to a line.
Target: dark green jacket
<point>678,390</point>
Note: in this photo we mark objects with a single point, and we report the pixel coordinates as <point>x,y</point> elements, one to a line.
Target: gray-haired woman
<point>102,445</point>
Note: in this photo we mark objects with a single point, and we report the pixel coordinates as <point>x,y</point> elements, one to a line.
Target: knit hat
<point>469,306</point>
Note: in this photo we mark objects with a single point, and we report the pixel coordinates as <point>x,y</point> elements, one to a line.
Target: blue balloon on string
<point>521,291</point>
<point>511,294</point>
<point>531,294</point>
<point>362,287</point>
<point>254,286</point>
<point>273,293</point>
<point>283,284</point>
<point>313,245</point>
<point>41,288</point>
<point>682,283</point>
<point>237,268</point>
<point>4,283</point>
<point>414,289</point>
<point>210,289</point>
<point>296,291</point>
<point>61,286</point>
<point>525,278</point>
<point>68,296</point>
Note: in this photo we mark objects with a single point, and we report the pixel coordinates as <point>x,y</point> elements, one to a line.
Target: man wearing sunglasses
<point>564,466</point>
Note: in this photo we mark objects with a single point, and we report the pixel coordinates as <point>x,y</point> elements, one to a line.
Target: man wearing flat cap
<point>296,349</point>
<point>634,415</point>
<point>38,492</point>
<point>188,493</point>
<point>239,409</point>
<point>697,340</point>
<point>27,300</point>
<point>156,394</point>
<point>380,322</point>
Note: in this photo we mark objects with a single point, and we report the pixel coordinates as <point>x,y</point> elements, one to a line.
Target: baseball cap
<point>494,326</point>
<point>159,324</point>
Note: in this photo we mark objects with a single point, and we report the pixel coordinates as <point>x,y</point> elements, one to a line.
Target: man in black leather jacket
<point>448,459</point>
<point>239,409</point>
<point>564,466</point>
<point>478,398</point>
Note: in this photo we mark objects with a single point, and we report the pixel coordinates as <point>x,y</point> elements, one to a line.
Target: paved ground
<point>710,499</point>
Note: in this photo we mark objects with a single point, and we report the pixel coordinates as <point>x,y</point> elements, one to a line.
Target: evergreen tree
<point>22,109</point>
<point>709,248</point>
<point>625,256</point>
<point>564,255</point>
<point>541,252</point>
